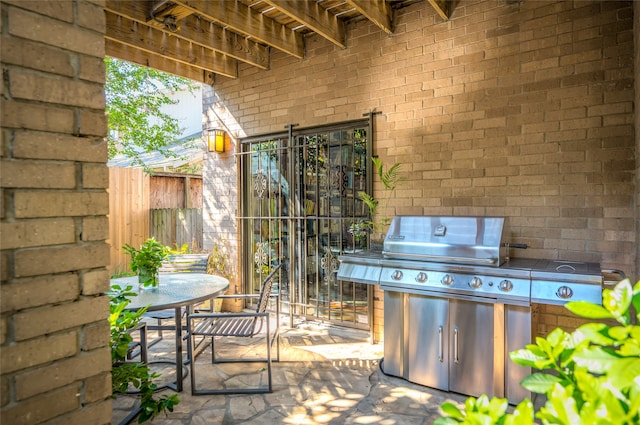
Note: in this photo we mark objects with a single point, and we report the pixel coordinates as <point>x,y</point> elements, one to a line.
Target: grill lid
<point>454,240</point>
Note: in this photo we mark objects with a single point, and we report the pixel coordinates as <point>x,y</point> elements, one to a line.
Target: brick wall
<point>220,190</point>
<point>54,353</point>
<point>516,109</point>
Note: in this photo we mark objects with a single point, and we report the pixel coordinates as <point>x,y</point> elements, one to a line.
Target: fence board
<point>177,226</point>
<point>128,212</point>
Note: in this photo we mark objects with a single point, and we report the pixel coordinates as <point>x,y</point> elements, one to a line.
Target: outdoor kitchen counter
<point>361,267</point>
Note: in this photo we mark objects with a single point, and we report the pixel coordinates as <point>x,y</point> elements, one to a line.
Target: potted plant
<point>376,226</point>
<point>147,260</point>
<point>218,265</point>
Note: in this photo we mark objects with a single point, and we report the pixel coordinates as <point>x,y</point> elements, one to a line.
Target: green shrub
<point>589,376</point>
<point>136,374</point>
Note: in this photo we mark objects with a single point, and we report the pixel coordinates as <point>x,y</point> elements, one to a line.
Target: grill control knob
<point>564,292</point>
<point>447,280</point>
<point>475,283</point>
<point>421,278</point>
<point>397,275</point>
<point>505,286</point>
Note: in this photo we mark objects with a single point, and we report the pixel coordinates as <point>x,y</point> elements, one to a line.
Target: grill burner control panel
<point>506,289</point>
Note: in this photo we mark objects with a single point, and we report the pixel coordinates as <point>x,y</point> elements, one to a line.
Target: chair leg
<point>144,351</point>
<point>257,390</point>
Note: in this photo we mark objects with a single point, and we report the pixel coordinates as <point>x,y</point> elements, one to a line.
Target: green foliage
<point>218,260</point>
<point>147,260</point>
<point>135,96</point>
<point>390,180</point>
<point>135,374</point>
<point>590,376</point>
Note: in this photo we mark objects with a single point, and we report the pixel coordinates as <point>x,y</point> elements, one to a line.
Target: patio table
<point>175,291</point>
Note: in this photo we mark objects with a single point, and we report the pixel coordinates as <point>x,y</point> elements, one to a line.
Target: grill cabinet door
<point>428,340</point>
<point>394,333</point>
<point>472,347</point>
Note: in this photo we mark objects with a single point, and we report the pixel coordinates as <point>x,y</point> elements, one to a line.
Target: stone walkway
<point>327,375</point>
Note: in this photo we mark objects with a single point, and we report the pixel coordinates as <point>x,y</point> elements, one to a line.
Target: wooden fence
<point>177,226</point>
<point>128,212</point>
<point>141,206</point>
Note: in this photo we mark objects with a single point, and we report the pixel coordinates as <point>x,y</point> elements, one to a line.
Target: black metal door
<point>300,199</point>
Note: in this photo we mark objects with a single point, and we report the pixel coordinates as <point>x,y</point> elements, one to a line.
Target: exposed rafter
<point>377,11</point>
<point>126,31</point>
<point>144,58</point>
<point>314,17</point>
<point>240,18</point>
<point>198,39</point>
<point>200,31</point>
<point>442,7</point>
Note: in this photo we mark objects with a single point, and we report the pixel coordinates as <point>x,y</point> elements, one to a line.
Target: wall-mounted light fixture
<point>217,140</point>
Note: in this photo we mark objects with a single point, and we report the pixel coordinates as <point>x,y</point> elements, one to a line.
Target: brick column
<point>54,353</point>
<point>220,193</point>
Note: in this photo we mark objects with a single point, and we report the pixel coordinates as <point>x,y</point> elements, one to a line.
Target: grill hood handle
<point>516,245</point>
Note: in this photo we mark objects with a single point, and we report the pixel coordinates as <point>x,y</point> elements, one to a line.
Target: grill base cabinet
<point>454,344</point>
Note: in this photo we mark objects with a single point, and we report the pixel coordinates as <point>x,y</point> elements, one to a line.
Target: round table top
<point>175,290</point>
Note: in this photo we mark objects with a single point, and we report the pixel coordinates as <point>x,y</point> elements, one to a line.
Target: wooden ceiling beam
<point>242,19</point>
<point>314,17</point>
<point>150,60</point>
<point>194,29</point>
<point>378,12</point>
<point>442,7</point>
<point>126,31</point>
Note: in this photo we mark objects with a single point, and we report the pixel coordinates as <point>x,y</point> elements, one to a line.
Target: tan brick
<point>59,10</point>
<point>97,388</point>
<point>5,388</point>
<point>95,229</point>
<point>40,409</point>
<point>25,85</point>
<point>45,320</point>
<point>95,282</point>
<point>6,268</point>
<point>39,261</point>
<point>95,413</point>
<point>4,329</point>
<point>36,56</point>
<point>62,373</point>
<point>23,355</point>
<point>23,234</point>
<point>35,292</point>
<point>37,145</point>
<point>96,336</point>
<point>50,31</point>
<point>91,16</point>
<point>37,174</point>
<point>59,203</point>
<point>95,176</point>
<point>37,117</point>
<point>93,124</point>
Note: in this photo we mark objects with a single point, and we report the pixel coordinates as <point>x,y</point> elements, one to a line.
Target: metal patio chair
<point>239,325</point>
<point>177,263</point>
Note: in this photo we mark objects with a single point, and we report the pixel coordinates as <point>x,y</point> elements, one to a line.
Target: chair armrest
<point>238,296</point>
<point>226,315</point>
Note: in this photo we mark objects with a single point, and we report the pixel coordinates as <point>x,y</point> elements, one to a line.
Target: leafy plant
<point>218,261</point>
<point>147,260</point>
<point>136,97</point>
<point>590,376</point>
<point>136,374</point>
<point>390,179</point>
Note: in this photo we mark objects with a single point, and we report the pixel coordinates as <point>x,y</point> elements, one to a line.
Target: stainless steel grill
<point>456,304</point>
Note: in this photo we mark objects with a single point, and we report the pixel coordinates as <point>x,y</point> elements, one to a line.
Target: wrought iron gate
<point>299,202</point>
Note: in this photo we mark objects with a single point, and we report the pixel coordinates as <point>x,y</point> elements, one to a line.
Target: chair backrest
<point>187,263</point>
<point>265,290</point>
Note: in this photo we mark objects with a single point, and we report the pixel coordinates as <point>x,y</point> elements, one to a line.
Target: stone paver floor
<point>327,375</point>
